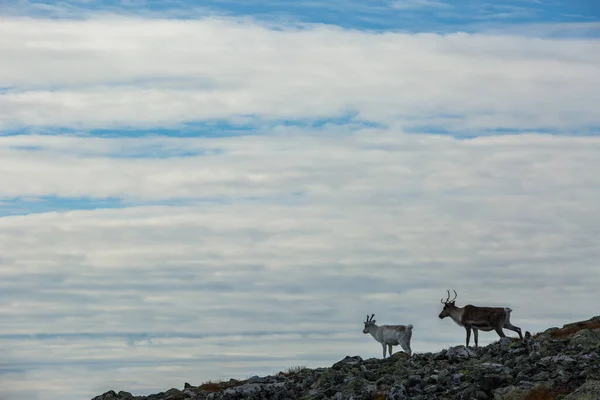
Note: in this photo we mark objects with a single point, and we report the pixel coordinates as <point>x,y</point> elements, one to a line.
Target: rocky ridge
<point>560,363</point>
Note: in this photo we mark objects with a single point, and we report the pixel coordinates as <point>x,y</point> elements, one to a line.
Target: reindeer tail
<point>409,327</point>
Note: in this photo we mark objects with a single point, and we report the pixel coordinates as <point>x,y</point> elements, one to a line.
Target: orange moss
<point>571,329</point>
<point>543,393</point>
<point>218,386</point>
<point>379,395</point>
<point>211,387</point>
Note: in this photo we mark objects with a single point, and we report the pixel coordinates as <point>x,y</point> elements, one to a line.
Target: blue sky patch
<point>377,15</point>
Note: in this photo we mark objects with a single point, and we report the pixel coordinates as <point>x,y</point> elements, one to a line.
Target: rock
<point>110,395</point>
<point>535,356</point>
<point>412,380</point>
<point>510,393</point>
<point>457,379</point>
<point>490,382</point>
<point>397,393</point>
<point>174,394</point>
<point>493,367</point>
<point>587,339</point>
<point>245,389</point>
<point>589,390</point>
<point>460,353</point>
<point>560,359</point>
<point>442,355</point>
<point>258,379</point>
<point>505,342</point>
<point>347,361</point>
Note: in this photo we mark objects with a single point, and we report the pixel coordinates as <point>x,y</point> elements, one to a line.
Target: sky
<point>192,191</point>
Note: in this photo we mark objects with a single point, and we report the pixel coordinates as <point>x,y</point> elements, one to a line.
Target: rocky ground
<point>560,363</point>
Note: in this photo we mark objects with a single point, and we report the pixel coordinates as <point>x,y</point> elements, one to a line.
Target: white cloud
<point>107,72</point>
<point>315,164</point>
<point>294,234</point>
<point>387,222</point>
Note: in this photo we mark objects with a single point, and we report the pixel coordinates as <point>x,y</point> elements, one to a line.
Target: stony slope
<point>560,363</point>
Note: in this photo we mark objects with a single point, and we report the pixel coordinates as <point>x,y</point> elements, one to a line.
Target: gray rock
<point>589,390</point>
<point>490,382</point>
<point>355,360</point>
<point>587,339</point>
<point>397,393</point>
<point>493,367</point>
<point>510,393</point>
<point>460,353</point>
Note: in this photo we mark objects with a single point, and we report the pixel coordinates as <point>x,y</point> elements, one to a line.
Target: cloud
<point>134,256</point>
<point>114,72</point>
<point>384,223</point>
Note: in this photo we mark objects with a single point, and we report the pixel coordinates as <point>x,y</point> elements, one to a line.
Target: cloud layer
<point>109,72</point>
<point>179,197</point>
<point>304,234</point>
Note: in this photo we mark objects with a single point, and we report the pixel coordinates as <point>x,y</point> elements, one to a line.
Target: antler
<point>448,298</point>
<point>369,319</point>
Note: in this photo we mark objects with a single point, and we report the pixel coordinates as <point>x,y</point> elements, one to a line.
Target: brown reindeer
<point>478,318</point>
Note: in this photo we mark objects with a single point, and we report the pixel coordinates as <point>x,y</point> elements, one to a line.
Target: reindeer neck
<point>374,330</point>
<point>456,314</point>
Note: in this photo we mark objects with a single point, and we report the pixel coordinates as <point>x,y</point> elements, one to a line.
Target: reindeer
<point>390,335</point>
<point>478,318</point>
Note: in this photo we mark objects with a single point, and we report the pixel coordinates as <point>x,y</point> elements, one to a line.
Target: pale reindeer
<point>478,318</point>
<point>389,335</point>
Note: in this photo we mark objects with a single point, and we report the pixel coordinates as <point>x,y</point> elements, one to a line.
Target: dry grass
<point>293,370</point>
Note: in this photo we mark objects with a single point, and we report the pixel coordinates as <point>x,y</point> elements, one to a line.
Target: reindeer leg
<point>406,347</point>
<point>390,349</point>
<point>468,328</point>
<point>511,327</point>
<point>499,331</point>
<point>476,336</point>
<point>383,345</point>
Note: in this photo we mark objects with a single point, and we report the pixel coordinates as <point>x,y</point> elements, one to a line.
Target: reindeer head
<point>369,323</point>
<point>448,305</point>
